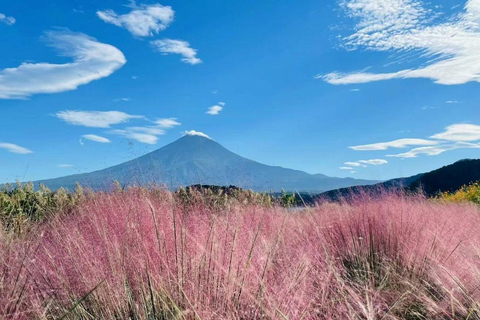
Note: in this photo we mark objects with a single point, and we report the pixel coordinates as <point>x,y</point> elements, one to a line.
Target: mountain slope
<point>448,178</point>
<point>198,160</point>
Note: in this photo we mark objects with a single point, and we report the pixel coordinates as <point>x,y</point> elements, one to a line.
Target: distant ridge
<point>194,159</point>
<point>446,179</point>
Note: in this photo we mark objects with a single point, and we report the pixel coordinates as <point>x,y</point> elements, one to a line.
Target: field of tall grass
<point>153,254</point>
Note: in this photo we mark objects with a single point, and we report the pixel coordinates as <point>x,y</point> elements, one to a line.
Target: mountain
<point>446,179</point>
<point>194,159</point>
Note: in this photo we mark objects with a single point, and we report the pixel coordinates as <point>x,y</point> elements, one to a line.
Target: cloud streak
<point>456,136</point>
<point>95,119</point>
<point>169,46</point>
<point>65,165</point>
<point>400,143</point>
<point>459,132</point>
<point>13,148</point>
<point>94,137</point>
<point>451,45</point>
<point>374,162</point>
<point>142,21</point>
<point>363,163</point>
<point>167,123</point>
<point>92,60</point>
<point>138,134</point>
<point>436,150</point>
<point>7,20</point>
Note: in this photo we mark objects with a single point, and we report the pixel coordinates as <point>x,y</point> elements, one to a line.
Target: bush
<point>469,193</point>
<point>22,205</point>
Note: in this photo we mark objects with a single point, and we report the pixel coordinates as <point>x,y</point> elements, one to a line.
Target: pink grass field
<point>140,254</point>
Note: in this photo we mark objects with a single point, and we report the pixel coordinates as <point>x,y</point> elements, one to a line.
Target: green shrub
<point>21,205</point>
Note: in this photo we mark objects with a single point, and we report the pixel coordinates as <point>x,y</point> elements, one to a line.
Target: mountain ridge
<point>448,178</point>
<point>193,160</point>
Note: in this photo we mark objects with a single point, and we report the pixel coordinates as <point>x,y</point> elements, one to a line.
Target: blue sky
<point>371,89</point>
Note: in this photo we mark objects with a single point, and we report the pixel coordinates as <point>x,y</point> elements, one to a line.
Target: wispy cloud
<point>13,148</point>
<point>436,150</point>
<point>94,137</point>
<point>456,136</point>
<point>7,20</point>
<point>459,132</point>
<point>451,43</point>
<point>140,134</point>
<point>122,99</point>
<point>168,46</point>
<point>400,143</point>
<point>95,119</point>
<point>354,164</point>
<point>215,110</point>
<point>374,162</point>
<point>167,123</point>
<point>451,102</point>
<point>65,165</point>
<point>92,60</point>
<point>142,21</point>
<point>196,133</point>
<point>363,163</point>
<point>148,134</point>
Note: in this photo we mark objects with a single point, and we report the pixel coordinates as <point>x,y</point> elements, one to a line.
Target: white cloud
<point>151,130</point>
<point>142,21</point>
<point>456,136</point>
<point>7,20</point>
<point>146,134</point>
<point>436,150</point>
<point>96,138</point>
<point>122,99</point>
<point>354,164</point>
<point>222,104</point>
<point>140,134</point>
<point>374,162</point>
<point>214,110</point>
<point>196,133</point>
<point>92,60</point>
<point>400,143</point>
<point>95,119</point>
<point>64,165</point>
<point>15,148</point>
<point>167,46</point>
<point>459,132</point>
<point>451,102</point>
<point>451,44</point>
<point>167,123</point>
<point>363,163</point>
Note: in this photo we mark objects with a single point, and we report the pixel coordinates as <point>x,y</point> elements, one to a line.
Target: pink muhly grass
<point>142,254</point>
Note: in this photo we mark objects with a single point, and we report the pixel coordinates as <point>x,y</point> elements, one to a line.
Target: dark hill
<point>448,178</point>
